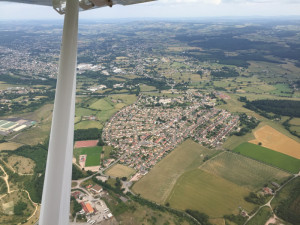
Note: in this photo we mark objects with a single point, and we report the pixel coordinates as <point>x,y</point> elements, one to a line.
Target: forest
<point>278,107</point>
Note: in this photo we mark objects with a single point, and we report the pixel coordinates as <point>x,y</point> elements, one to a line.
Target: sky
<point>163,9</point>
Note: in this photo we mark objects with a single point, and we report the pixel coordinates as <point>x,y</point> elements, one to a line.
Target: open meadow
<point>158,183</point>
<point>269,156</point>
<point>9,146</point>
<point>202,191</point>
<point>120,171</point>
<point>272,139</point>
<point>93,155</point>
<point>21,164</point>
<point>243,171</point>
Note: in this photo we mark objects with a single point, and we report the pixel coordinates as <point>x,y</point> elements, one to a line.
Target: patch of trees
<point>238,219</point>
<point>87,134</point>
<point>34,184</point>
<point>224,73</point>
<point>287,126</point>
<point>278,107</point>
<point>76,206</point>
<point>201,217</point>
<point>158,84</point>
<point>19,208</point>
<point>247,124</point>
<point>77,173</point>
<point>288,208</point>
<point>256,199</point>
<point>21,80</point>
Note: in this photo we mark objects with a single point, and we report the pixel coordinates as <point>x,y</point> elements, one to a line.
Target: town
<point>148,130</point>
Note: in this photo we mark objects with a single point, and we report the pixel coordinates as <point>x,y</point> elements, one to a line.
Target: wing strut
<point>57,185</point>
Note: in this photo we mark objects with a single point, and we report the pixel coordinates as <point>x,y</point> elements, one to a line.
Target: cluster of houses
<point>94,208</point>
<point>152,127</point>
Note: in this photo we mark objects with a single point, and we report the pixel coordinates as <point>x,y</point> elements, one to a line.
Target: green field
<point>243,171</point>
<point>202,191</point>
<point>102,104</point>
<point>261,217</point>
<point>84,112</point>
<point>282,90</point>
<point>269,156</point>
<point>88,124</point>
<point>93,155</point>
<point>158,183</point>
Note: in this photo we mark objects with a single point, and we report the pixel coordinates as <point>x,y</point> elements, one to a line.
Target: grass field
<point>9,146</point>
<point>119,170</point>
<point>202,191</point>
<point>158,183</point>
<point>269,156</point>
<point>88,124</point>
<point>272,139</point>
<point>282,90</point>
<point>261,217</point>
<point>84,112</point>
<point>93,155</point>
<point>102,104</point>
<point>243,171</point>
<point>295,121</point>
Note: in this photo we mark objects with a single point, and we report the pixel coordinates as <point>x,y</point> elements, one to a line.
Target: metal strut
<point>57,185</point>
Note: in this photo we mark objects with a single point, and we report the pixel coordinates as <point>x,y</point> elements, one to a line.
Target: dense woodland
<point>279,107</point>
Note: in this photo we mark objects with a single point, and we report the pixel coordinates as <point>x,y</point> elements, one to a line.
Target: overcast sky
<point>163,9</point>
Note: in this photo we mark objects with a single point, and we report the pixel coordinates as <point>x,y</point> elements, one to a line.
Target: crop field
<point>88,124</point>
<point>243,171</point>
<point>21,164</point>
<point>9,146</point>
<point>102,104</point>
<point>272,139</point>
<point>93,155</point>
<point>119,170</point>
<point>158,183</point>
<point>269,156</point>
<point>202,191</point>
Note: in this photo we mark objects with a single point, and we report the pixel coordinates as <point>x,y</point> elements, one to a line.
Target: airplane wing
<point>59,5</point>
<point>35,2</point>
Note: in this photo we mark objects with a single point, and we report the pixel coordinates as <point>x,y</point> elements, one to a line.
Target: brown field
<point>119,170</point>
<point>21,164</point>
<point>272,139</point>
<point>9,146</point>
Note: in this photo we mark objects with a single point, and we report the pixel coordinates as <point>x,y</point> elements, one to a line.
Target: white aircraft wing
<point>35,2</point>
